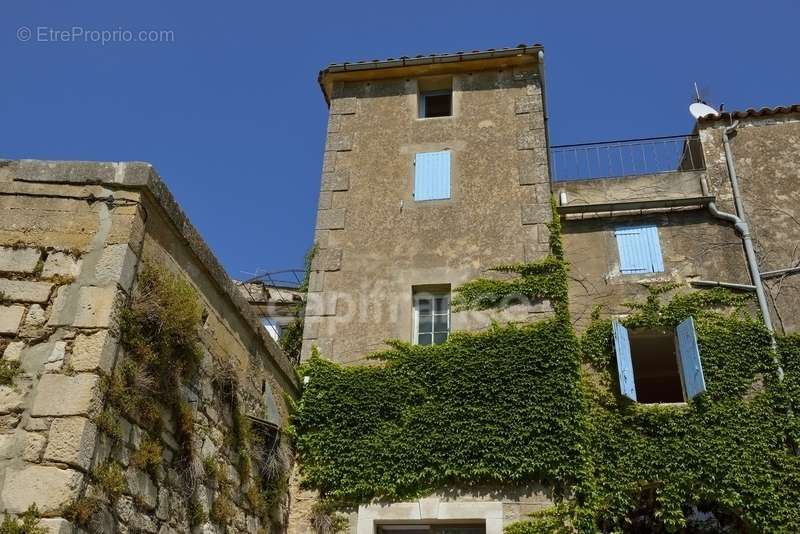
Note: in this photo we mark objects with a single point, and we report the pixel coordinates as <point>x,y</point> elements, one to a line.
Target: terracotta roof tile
<point>751,112</point>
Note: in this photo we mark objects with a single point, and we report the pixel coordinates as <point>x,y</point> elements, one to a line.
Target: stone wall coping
<point>142,176</point>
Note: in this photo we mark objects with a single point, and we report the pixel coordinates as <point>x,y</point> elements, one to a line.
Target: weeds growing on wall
<point>537,404</point>
<point>26,523</point>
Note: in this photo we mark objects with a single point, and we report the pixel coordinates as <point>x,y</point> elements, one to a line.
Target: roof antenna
<point>699,108</point>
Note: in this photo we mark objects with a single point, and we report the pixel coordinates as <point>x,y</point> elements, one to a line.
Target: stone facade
<point>766,151</point>
<point>73,237</point>
<point>376,243</point>
<point>694,244</point>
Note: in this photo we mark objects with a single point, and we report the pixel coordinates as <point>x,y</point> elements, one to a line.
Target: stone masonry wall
<point>73,237</point>
<point>766,152</point>
<point>376,242</point>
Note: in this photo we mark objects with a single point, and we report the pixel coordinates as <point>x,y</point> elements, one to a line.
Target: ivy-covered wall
<point>521,404</point>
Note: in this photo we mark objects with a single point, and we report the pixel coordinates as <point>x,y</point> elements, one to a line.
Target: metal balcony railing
<point>630,157</point>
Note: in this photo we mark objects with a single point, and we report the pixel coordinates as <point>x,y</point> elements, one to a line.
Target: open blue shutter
<point>622,346</point>
<point>639,250</point>
<point>432,175</point>
<point>693,380</point>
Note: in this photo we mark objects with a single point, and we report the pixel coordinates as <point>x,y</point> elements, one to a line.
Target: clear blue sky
<point>231,115</point>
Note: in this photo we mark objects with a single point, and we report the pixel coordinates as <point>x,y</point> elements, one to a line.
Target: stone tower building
<point>435,169</point>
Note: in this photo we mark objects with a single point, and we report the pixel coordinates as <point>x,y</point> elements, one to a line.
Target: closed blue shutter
<point>432,175</point>
<point>639,250</point>
<point>693,380</point>
<point>650,235</point>
<point>622,346</point>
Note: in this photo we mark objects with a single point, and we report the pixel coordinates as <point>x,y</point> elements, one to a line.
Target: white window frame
<point>430,295</point>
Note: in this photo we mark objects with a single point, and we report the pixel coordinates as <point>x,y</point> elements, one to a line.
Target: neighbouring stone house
<point>438,168</point>
<point>75,240</point>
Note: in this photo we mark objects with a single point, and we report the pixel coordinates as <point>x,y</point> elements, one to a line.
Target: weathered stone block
<point>531,139</point>
<point>23,291</point>
<point>8,446</point>
<point>13,351</point>
<point>117,265</point>
<point>534,174</point>
<point>55,358</point>
<point>84,307</point>
<point>325,200</point>
<point>36,316</point>
<point>34,445</point>
<point>339,142</point>
<point>329,162</point>
<point>321,304</point>
<point>344,106</point>
<point>61,395</point>
<point>71,441</point>
<point>535,213</point>
<point>334,123</point>
<point>18,260</point>
<point>93,352</point>
<point>61,264</point>
<point>311,328</point>
<point>316,281</point>
<point>544,233</point>
<point>527,104</point>
<point>141,485</point>
<point>336,181</point>
<point>51,488</point>
<point>329,259</point>
<point>10,319</point>
<point>11,400</point>
<point>332,219</point>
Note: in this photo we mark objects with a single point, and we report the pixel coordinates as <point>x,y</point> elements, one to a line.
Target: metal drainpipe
<point>744,231</point>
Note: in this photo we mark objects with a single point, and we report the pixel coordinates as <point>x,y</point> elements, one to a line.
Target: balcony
<point>629,176</point>
<point>630,157</point>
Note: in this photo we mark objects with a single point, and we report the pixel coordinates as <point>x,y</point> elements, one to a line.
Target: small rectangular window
<point>639,250</point>
<point>656,366</point>
<point>432,175</point>
<point>435,97</point>
<point>431,316</point>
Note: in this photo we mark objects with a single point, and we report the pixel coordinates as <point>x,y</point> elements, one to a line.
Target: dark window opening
<point>435,96</point>
<point>436,104</point>
<point>655,367</point>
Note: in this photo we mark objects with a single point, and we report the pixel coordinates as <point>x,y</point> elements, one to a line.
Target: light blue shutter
<point>432,175</point>
<point>639,250</point>
<point>693,380</point>
<point>622,346</point>
<point>650,235</point>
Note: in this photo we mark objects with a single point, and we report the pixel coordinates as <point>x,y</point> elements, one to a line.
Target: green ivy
<point>537,404</point>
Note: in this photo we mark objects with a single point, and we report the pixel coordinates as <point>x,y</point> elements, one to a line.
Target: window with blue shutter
<point>657,366</point>
<point>694,382</point>
<point>639,250</point>
<point>622,347</point>
<point>432,175</point>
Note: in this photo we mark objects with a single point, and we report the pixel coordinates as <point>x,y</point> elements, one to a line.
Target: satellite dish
<point>698,109</point>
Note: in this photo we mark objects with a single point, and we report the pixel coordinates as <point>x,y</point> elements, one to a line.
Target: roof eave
<point>396,66</point>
